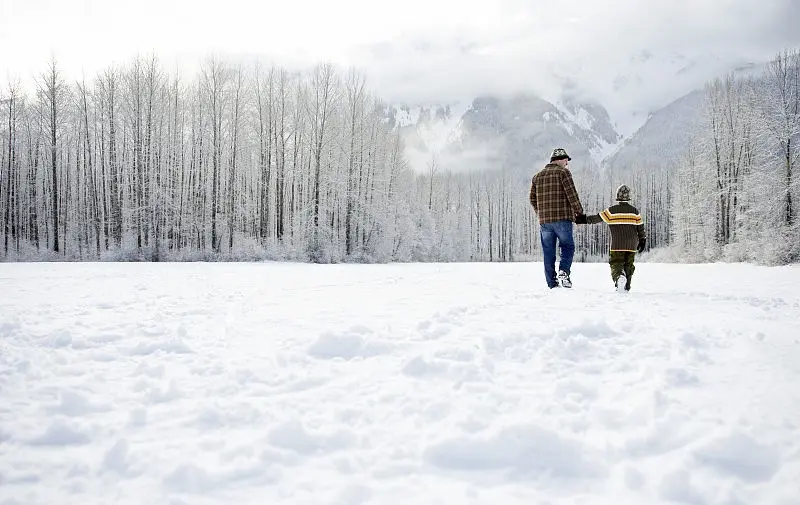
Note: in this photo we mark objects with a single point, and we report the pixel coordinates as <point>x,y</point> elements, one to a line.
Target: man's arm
<point>533,195</point>
<point>572,193</point>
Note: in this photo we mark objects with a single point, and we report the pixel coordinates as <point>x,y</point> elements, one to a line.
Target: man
<point>555,200</point>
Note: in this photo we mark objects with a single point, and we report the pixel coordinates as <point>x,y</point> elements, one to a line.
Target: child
<point>627,236</point>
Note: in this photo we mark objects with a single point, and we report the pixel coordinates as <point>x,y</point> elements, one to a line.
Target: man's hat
<point>559,154</point>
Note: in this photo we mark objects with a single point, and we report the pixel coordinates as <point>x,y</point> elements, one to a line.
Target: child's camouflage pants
<point>622,262</point>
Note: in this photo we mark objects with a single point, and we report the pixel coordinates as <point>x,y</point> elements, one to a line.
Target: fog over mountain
<point>518,131</point>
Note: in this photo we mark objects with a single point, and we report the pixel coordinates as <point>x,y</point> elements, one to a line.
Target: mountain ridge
<point>522,125</point>
<point>455,134</point>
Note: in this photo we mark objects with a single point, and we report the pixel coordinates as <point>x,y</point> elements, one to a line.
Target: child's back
<point>625,223</point>
<point>627,236</point>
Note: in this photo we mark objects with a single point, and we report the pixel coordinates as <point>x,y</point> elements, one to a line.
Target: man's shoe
<point>564,278</point>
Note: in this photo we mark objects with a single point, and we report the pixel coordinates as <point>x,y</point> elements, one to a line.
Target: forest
<point>250,162</point>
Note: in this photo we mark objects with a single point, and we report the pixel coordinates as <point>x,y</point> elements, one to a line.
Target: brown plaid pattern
<point>553,194</point>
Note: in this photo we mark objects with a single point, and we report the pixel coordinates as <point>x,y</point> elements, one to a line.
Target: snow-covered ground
<point>265,383</point>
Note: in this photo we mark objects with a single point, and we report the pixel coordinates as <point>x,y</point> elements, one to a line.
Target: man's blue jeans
<point>561,230</point>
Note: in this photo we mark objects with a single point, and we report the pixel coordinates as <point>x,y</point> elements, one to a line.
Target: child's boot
<point>622,284</point>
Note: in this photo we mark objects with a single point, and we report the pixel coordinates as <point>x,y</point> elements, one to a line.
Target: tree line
<point>255,161</point>
<point>737,190</point>
<point>237,162</point>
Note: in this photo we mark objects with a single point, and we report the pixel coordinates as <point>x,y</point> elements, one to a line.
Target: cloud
<point>631,56</point>
<point>628,54</point>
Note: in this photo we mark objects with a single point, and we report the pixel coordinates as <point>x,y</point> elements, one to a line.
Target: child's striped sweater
<point>625,223</point>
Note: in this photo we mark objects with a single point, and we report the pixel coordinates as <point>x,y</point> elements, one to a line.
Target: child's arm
<point>640,231</point>
<point>594,219</point>
<point>591,219</point>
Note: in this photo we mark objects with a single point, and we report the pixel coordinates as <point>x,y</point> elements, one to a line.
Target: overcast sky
<point>623,52</point>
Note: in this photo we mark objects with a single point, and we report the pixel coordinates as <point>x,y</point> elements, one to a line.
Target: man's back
<point>553,194</point>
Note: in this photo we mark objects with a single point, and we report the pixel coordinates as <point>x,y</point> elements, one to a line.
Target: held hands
<point>641,244</point>
<point>580,218</point>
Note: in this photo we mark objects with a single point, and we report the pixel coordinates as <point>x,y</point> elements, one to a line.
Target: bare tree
<point>238,100</point>
<point>53,93</point>
<point>324,94</point>
<point>781,104</point>
<point>215,81</point>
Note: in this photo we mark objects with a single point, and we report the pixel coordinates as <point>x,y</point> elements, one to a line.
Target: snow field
<point>219,383</point>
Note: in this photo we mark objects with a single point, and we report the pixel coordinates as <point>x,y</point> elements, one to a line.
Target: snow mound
<point>61,432</point>
<point>526,449</point>
<point>739,455</point>
<point>294,436</point>
<point>357,342</point>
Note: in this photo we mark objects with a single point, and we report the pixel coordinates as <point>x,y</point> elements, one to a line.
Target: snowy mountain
<point>663,138</point>
<point>515,131</point>
<point>633,87</point>
<point>594,126</point>
<point>429,131</point>
<point>659,143</point>
<point>503,132</point>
